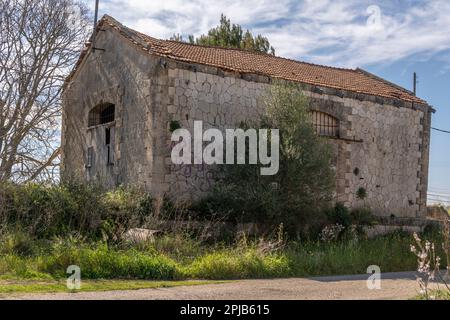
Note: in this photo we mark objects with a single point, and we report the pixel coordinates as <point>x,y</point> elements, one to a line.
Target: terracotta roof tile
<point>355,80</point>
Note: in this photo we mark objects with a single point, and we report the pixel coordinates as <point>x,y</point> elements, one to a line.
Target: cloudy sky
<point>392,38</point>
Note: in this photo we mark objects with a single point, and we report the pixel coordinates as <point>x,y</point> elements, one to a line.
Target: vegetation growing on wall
<point>303,187</point>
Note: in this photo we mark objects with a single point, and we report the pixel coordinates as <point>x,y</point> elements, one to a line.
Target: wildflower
<point>428,263</point>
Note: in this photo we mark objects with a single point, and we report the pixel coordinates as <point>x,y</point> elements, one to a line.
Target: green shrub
<point>17,243</point>
<point>73,208</point>
<point>363,217</point>
<point>179,258</point>
<point>180,247</point>
<point>101,262</point>
<point>340,214</point>
<point>239,265</point>
<point>361,193</point>
<point>301,190</point>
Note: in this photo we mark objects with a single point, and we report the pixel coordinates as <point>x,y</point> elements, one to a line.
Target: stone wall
<point>220,101</point>
<point>135,83</point>
<point>383,145</point>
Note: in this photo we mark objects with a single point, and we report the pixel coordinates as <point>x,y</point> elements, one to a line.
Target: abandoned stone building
<point>123,96</point>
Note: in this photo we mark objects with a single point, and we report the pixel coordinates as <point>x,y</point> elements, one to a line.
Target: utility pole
<point>94,35</point>
<point>415,83</point>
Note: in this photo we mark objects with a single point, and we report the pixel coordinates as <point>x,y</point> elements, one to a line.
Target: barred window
<point>325,124</point>
<point>102,114</point>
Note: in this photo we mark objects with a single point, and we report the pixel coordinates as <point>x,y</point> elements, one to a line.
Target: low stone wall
<point>220,229</point>
<point>381,230</point>
<point>409,225</point>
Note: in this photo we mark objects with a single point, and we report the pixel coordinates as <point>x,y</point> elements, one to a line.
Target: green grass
<point>229,264</point>
<point>177,259</point>
<point>22,287</point>
<point>391,253</point>
<point>105,263</point>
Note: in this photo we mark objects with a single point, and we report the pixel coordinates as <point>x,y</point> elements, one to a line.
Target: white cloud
<point>338,32</point>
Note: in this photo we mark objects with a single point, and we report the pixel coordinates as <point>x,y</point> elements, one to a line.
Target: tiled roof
<point>243,61</point>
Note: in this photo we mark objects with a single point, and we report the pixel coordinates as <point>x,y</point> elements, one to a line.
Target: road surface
<point>401,285</point>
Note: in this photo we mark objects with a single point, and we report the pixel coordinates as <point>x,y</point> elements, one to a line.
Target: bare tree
<point>40,41</point>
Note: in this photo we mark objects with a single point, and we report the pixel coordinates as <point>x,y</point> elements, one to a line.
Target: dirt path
<point>401,285</point>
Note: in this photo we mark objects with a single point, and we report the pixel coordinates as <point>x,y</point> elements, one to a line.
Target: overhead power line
<point>438,201</point>
<point>440,130</point>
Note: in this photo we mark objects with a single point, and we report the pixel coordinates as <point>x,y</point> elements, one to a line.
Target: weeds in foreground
<point>429,263</point>
<point>177,258</point>
<point>446,245</point>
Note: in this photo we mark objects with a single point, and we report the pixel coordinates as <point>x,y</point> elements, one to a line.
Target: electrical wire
<point>440,130</point>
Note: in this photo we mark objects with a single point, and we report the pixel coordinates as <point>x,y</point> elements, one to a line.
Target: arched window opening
<point>102,114</point>
<point>325,125</point>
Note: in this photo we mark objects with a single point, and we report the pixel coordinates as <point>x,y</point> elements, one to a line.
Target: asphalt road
<point>402,285</point>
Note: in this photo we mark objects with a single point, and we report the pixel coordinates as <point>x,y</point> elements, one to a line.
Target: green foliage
<point>17,243</point>
<point>361,193</point>
<point>73,208</point>
<point>363,217</point>
<point>53,286</point>
<point>228,35</point>
<point>341,215</point>
<point>344,216</point>
<point>353,221</point>
<point>229,264</point>
<point>302,189</point>
<point>243,259</point>
<point>102,263</point>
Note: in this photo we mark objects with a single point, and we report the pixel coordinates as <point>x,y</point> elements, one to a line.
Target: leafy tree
<point>301,191</point>
<point>228,35</point>
<point>306,173</point>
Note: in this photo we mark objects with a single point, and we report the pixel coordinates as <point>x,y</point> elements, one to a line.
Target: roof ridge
<point>142,36</point>
<point>369,74</point>
<point>257,53</point>
<point>227,48</point>
<point>247,61</point>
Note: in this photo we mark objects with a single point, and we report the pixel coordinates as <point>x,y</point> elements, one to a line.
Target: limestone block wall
<point>135,84</point>
<point>387,164</point>
<point>383,144</point>
<point>221,101</point>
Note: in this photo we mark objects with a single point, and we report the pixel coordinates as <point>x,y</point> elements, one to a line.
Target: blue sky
<point>391,38</point>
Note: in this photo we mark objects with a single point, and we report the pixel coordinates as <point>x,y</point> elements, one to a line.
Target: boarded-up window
<point>102,114</point>
<point>110,155</point>
<point>109,138</point>
<point>324,124</point>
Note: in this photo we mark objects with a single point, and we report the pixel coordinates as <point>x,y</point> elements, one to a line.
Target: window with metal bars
<point>325,124</point>
<point>102,114</point>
